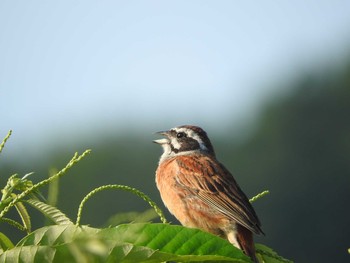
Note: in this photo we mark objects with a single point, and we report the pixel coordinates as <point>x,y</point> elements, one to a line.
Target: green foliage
<point>133,216</point>
<point>124,188</point>
<point>125,243</point>
<point>27,188</point>
<point>18,191</point>
<point>258,196</point>
<point>144,242</point>
<point>266,254</point>
<point>13,223</point>
<point>300,150</point>
<point>2,144</point>
<point>5,243</point>
<point>53,190</point>
<point>23,213</point>
<point>139,242</point>
<point>50,212</point>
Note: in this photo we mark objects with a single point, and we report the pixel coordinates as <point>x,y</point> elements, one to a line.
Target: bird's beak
<point>164,140</point>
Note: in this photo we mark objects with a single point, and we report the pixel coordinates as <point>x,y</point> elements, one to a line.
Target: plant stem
<point>258,196</point>
<point>120,187</point>
<point>5,140</point>
<point>30,190</point>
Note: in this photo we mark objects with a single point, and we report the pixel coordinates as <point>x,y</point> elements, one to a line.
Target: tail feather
<point>246,242</point>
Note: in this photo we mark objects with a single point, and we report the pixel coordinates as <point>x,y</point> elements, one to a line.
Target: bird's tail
<point>246,242</point>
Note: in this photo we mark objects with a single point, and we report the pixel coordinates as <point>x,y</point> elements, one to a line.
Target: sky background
<point>75,68</point>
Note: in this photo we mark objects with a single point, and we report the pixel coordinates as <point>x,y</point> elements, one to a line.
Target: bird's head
<point>184,140</point>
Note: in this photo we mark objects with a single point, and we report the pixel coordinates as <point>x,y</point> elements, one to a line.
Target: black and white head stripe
<point>189,138</point>
<point>184,140</point>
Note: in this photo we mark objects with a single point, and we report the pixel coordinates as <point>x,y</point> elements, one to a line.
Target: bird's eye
<point>180,135</point>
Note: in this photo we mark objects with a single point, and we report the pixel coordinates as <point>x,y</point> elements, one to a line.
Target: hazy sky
<point>72,67</point>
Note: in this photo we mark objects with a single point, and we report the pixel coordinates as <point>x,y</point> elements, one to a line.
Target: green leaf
<point>56,235</point>
<point>5,243</point>
<point>143,242</point>
<point>163,242</point>
<point>28,254</point>
<point>125,243</point>
<point>174,239</point>
<point>50,212</point>
<point>22,211</point>
<point>266,254</point>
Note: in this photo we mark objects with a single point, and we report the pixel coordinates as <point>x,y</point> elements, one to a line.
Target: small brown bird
<point>200,192</point>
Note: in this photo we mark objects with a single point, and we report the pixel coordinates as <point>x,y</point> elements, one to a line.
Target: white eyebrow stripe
<point>194,135</point>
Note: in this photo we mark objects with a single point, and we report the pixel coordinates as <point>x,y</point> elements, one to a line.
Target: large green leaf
<point>143,242</point>
<point>125,243</point>
<point>176,243</point>
<point>174,239</point>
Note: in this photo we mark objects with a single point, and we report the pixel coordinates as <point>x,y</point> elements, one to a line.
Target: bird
<point>200,192</point>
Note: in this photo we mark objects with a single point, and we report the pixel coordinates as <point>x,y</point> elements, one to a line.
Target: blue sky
<point>71,68</point>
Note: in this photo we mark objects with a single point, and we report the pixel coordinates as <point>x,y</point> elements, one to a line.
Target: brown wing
<point>212,183</point>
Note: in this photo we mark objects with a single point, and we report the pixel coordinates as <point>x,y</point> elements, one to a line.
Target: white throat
<point>168,153</point>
